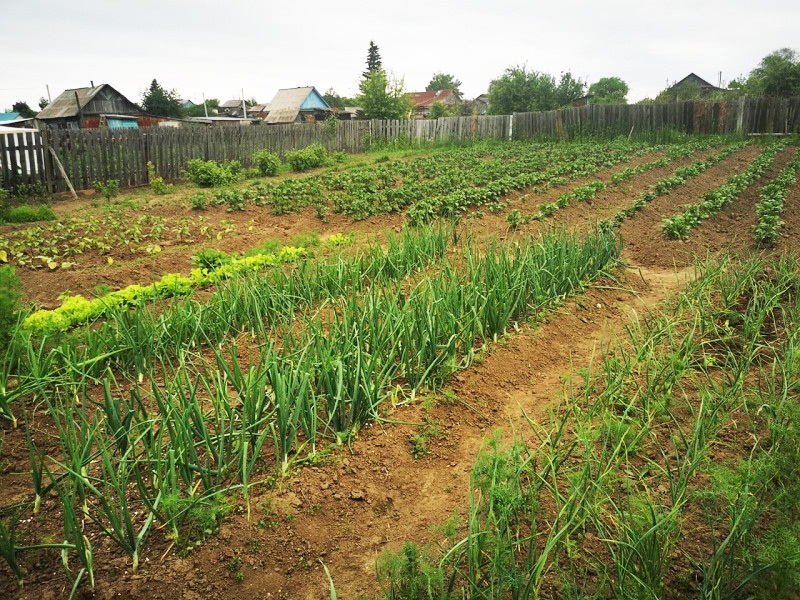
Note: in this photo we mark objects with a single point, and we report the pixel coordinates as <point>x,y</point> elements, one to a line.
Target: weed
<point>157,182</point>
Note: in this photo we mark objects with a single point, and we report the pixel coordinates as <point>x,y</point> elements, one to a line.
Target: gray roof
<point>258,108</point>
<point>233,104</point>
<point>65,104</point>
<point>285,106</point>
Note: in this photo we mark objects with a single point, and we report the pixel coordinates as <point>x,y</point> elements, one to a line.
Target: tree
<point>688,90</point>
<point>520,90</point>
<point>334,100</point>
<point>568,90</point>
<point>383,98</point>
<point>23,109</point>
<point>160,102</point>
<point>43,102</point>
<point>373,60</point>
<point>778,74</point>
<point>199,111</point>
<point>440,109</point>
<point>444,81</point>
<point>466,108</point>
<point>609,90</point>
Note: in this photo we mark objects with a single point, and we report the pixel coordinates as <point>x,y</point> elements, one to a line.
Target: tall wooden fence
<point>742,115</point>
<point>91,155</point>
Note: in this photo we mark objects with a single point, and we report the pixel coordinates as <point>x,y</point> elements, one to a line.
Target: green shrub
<point>157,183</point>
<point>310,157</point>
<point>212,174</point>
<point>9,302</point>
<point>267,162</point>
<point>25,191</point>
<point>108,189</point>
<point>27,214</point>
<point>234,166</point>
<point>251,173</point>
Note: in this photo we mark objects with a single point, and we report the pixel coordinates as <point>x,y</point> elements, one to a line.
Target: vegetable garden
<point>276,381</point>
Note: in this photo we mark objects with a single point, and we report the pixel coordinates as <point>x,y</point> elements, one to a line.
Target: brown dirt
<point>375,495</point>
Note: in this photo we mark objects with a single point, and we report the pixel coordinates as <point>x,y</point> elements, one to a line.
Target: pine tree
<point>161,102</point>
<point>373,59</point>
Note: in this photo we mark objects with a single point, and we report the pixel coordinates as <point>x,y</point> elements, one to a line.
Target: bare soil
<point>375,495</point>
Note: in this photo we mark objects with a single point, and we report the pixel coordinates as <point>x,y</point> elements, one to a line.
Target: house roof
<point>259,108</point>
<point>425,99</point>
<point>234,104</point>
<point>692,78</point>
<point>287,103</point>
<point>9,116</point>
<point>65,106</point>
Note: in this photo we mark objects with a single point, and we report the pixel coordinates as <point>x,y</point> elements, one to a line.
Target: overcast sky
<point>219,48</point>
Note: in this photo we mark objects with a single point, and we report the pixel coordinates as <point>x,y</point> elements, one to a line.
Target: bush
<point>108,189</point>
<point>267,162</point>
<point>9,302</point>
<point>25,191</point>
<point>27,214</point>
<point>157,183</point>
<point>212,174</point>
<point>313,156</point>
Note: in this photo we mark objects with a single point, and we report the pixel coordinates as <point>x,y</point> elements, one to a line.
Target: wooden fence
<point>743,116</point>
<point>91,155</point>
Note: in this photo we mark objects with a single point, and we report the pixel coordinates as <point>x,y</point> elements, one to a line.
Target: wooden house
<point>422,101</point>
<point>92,107</point>
<point>481,104</point>
<point>692,80</point>
<point>233,108</point>
<point>298,105</point>
<point>258,111</point>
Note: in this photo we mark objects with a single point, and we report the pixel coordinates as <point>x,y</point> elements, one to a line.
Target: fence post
<point>146,156</point>
<point>47,162</point>
<point>740,116</point>
<point>511,127</point>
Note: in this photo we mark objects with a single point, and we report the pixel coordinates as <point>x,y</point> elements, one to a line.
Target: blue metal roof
<point>9,116</point>
<point>114,123</point>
